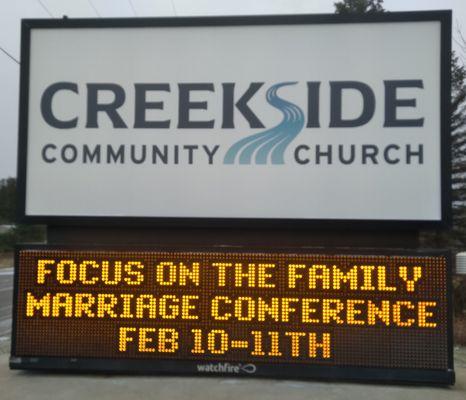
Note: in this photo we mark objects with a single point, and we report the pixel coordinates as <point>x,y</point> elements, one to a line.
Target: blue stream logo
<point>271,144</point>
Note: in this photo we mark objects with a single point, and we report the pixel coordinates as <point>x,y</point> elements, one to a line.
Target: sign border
<point>442,16</point>
<point>264,369</point>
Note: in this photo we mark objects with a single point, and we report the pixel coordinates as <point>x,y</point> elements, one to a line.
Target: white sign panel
<point>235,119</point>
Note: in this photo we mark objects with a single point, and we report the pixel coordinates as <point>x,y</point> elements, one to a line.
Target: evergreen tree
<point>359,6</point>
<point>458,132</point>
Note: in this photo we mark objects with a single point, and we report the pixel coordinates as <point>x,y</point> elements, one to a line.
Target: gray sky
<point>13,11</point>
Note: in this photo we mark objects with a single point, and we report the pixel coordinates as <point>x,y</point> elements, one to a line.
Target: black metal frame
<point>444,17</point>
<point>264,369</point>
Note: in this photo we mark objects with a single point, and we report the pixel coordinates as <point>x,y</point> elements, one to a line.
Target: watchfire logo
<point>222,368</point>
<point>268,146</point>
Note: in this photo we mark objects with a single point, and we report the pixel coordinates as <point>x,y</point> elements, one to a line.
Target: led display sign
<point>217,121</point>
<point>311,314</point>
